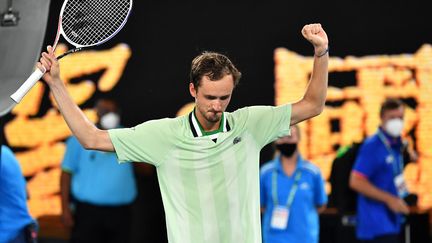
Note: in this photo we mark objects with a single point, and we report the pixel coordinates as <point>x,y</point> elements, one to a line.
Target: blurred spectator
<point>292,194</point>
<point>102,190</point>
<point>377,176</point>
<point>16,224</point>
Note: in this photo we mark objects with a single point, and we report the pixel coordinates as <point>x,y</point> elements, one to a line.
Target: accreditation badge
<point>279,218</point>
<point>401,186</point>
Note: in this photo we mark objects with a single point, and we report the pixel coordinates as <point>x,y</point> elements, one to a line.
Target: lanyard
<point>396,170</point>
<point>292,191</point>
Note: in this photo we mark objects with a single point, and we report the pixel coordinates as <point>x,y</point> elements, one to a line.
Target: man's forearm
<point>363,186</point>
<point>317,88</point>
<point>79,124</point>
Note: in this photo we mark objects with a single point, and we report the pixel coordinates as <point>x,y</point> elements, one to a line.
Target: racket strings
<point>103,18</point>
<point>90,22</point>
<point>106,11</point>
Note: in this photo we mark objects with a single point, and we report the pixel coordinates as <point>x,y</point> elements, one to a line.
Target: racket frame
<point>37,74</point>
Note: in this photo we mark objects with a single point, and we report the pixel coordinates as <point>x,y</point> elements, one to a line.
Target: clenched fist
<point>316,35</point>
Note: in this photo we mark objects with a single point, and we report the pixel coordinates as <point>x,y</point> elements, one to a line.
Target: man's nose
<point>217,105</point>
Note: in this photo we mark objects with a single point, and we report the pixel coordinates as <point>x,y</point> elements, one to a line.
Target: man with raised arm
<point>207,161</point>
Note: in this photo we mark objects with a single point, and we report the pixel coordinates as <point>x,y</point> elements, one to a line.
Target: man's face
<point>392,114</point>
<point>212,97</point>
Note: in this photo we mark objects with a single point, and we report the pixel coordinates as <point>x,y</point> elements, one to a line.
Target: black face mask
<point>287,149</point>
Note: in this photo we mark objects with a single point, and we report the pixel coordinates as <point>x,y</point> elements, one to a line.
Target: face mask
<point>394,127</point>
<point>110,120</point>
<point>287,149</point>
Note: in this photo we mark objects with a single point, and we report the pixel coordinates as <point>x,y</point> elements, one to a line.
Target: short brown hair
<point>213,65</point>
<point>390,104</point>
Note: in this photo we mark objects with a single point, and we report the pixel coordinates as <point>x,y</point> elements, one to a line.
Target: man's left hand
<point>316,35</point>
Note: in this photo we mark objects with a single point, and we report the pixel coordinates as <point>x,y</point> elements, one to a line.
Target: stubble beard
<point>214,118</point>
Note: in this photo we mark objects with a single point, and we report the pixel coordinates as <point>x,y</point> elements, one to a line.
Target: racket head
<point>85,23</point>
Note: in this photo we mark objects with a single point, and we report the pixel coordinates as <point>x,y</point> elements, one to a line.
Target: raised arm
<point>84,130</point>
<point>312,104</point>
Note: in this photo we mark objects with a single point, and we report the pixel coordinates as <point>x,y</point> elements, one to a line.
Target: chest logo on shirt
<point>304,186</point>
<point>237,140</point>
<point>389,159</point>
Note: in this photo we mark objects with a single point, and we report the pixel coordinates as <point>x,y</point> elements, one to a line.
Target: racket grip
<point>27,85</point>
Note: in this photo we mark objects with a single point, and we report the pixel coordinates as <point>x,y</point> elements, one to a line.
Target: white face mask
<point>394,127</point>
<point>110,120</point>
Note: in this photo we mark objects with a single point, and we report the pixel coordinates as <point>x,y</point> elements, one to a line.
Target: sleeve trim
<point>358,173</point>
<point>67,170</point>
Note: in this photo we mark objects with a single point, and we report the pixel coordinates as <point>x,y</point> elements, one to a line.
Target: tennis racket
<point>83,23</point>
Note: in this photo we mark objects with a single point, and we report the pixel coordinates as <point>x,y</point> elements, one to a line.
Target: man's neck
<point>392,140</point>
<point>289,164</point>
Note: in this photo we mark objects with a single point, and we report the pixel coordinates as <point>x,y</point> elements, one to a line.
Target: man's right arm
<point>362,185</point>
<point>84,130</point>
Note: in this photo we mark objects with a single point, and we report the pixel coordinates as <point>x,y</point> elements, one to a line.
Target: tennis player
<point>207,161</point>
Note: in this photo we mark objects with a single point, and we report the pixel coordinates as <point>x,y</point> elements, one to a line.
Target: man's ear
<point>192,90</point>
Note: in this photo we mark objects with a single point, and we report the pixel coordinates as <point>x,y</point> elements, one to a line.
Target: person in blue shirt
<point>102,190</point>
<point>16,224</point>
<point>377,177</point>
<point>292,194</point>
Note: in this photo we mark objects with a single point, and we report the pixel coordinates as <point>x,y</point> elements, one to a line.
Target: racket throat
<point>69,52</point>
